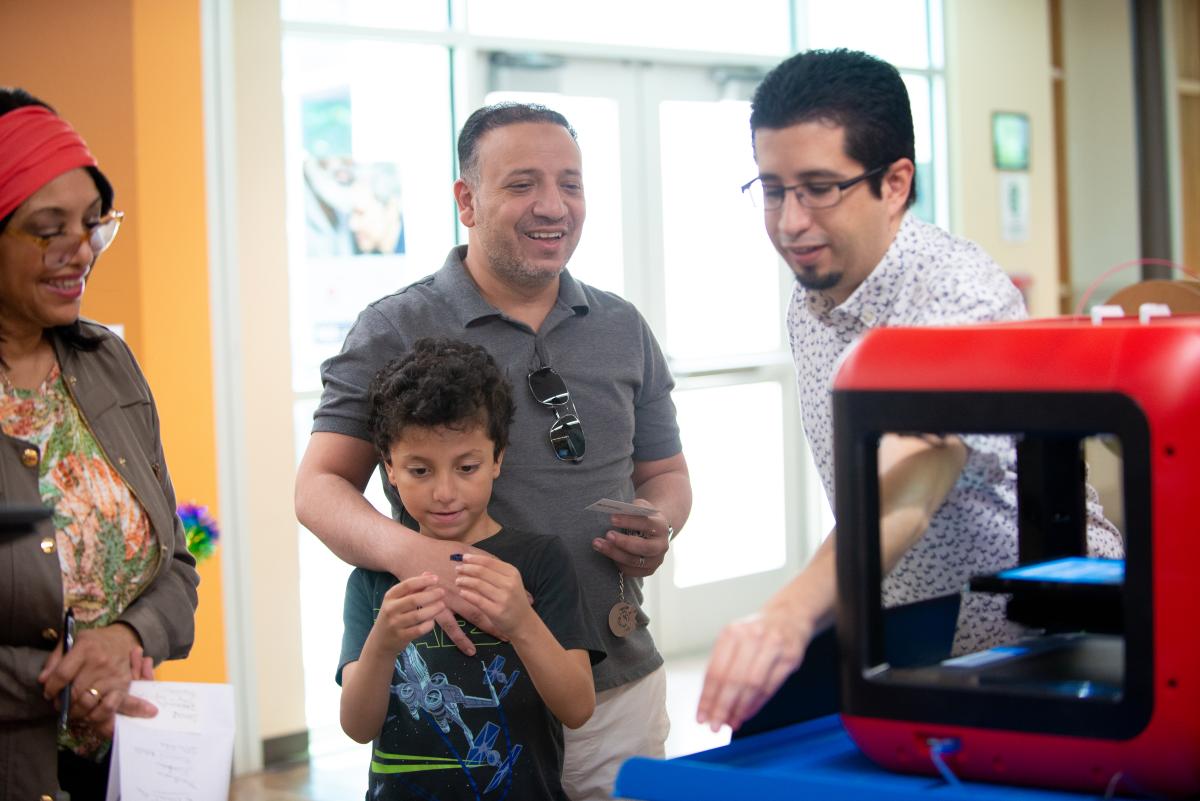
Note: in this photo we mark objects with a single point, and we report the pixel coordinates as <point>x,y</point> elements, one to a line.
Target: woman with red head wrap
<point>79,436</point>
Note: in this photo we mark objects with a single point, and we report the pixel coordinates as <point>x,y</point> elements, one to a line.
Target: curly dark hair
<point>489,118</point>
<point>440,383</point>
<point>861,93</point>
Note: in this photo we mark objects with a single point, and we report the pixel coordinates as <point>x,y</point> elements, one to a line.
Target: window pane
<point>599,260</point>
<point>722,273</point>
<point>894,30</point>
<point>750,26</point>
<point>737,526</point>
<point>425,15</point>
<point>919,98</point>
<point>370,206</point>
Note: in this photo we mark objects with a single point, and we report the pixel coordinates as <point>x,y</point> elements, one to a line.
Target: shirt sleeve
<point>373,341</point>
<point>972,289</point>
<point>656,431</point>
<point>358,616</point>
<point>557,599</point>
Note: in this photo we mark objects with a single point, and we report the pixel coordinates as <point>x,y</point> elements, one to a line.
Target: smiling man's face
<point>526,211</point>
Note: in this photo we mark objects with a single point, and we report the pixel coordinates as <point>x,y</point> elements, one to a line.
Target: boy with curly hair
<point>444,725</point>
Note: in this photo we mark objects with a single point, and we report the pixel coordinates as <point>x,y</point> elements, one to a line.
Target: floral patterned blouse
<point>106,548</point>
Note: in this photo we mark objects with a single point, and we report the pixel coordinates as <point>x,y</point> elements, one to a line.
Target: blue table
<point>811,760</point>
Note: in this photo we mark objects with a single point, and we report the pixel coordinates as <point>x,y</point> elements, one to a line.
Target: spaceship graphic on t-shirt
<point>443,702</point>
<point>433,693</point>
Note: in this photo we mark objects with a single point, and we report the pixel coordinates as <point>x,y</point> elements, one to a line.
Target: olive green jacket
<point>115,402</point>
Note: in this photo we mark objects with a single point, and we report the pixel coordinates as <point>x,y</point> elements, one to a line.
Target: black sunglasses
<point>566,434</point>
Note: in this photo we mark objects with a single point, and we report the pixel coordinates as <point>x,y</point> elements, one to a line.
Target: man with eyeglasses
<point>596,420</point>
<point>833,140</point>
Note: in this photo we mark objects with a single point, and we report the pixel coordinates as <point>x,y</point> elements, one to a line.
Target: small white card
<point>185,753</point>
<point>610,507</point>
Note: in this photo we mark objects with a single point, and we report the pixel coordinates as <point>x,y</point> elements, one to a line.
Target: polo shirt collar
<point>469,304</point>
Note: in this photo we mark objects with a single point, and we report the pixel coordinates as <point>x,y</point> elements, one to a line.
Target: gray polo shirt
<point>619,383</point>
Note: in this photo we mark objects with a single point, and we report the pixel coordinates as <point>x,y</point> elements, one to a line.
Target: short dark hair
<point>863,94</point>
<point>495,116</point>
<point>440,383</point>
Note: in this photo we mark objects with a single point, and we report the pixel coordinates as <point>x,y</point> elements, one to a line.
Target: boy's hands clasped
<point>408,610</point>
<point>496,588</point>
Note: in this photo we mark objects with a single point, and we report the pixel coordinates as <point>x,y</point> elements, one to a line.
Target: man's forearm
<point>337,513</point>
<point>812,595</point>
<point>671,494</point>
<point>915,478</point>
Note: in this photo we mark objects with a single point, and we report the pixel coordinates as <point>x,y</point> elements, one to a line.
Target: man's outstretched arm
<point>753,656</point>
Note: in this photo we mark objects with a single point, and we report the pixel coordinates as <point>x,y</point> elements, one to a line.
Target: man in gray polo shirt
<point>521,198</point>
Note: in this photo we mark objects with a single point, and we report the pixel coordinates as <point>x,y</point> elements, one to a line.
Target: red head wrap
<point>36,146</point>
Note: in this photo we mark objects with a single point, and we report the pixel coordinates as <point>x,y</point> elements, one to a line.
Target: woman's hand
<point>141,669</point>
<point>99,668</point>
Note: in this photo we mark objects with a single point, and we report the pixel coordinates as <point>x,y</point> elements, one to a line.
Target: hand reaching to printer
<point>754,655</point>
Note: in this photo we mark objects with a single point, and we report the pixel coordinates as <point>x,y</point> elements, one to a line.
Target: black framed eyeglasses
<point>566,433</point>
<point>810,194</point>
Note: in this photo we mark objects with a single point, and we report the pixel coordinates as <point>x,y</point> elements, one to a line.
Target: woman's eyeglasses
<point>566,434</point>
<point>58,250</point>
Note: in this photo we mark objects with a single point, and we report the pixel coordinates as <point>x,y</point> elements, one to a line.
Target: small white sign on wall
<point>1014,206</point>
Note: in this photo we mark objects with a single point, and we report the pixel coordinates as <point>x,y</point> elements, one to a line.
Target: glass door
<point>665,150</point>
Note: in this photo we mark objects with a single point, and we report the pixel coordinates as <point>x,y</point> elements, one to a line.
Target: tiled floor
<point>339,771</point>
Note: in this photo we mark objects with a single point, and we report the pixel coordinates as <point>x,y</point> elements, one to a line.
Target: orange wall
<point>128,77</point>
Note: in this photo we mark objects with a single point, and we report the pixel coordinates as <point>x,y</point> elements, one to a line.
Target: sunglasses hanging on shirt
<point>566,433</point>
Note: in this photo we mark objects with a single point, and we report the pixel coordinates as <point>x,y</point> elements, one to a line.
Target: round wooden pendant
<point>622,619</point>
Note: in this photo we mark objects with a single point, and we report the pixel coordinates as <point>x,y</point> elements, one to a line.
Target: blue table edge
<point>815,756</point>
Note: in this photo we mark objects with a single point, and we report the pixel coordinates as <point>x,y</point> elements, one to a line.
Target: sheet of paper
<point>610,507</point>
<point>184,753</point>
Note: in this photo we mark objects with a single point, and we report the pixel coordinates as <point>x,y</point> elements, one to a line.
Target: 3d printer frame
<point>1048,384</point>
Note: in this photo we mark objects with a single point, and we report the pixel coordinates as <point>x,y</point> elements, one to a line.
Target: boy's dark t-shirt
<point>460,727</point>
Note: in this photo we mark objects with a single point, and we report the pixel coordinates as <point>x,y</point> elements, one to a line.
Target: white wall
<point>998,59</point>
<point>267,461</point>
<point>1101,143</point>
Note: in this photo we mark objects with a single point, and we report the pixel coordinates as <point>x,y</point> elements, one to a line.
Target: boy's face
<point>444,477</point>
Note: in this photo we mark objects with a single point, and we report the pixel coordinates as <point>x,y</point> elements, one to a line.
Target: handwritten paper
<point>184,753</point>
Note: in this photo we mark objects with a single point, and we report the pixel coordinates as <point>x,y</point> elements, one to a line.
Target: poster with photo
<point>351,208</point>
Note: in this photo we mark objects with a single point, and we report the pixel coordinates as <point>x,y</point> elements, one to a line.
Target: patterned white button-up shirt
<point>929,278</point>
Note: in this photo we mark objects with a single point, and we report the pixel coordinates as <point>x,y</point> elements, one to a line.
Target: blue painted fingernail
<point>456,557</point>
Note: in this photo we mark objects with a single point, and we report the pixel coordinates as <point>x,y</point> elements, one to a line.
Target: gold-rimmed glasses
<point>58,250</point>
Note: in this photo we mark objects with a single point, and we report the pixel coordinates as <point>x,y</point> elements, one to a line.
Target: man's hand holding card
<point>639,539</point>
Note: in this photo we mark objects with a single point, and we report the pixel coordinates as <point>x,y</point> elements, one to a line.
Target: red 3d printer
<point>1101,688</point>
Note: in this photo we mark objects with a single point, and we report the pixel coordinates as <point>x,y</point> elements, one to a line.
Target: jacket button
<point>50,634</point>
<point>29,457</point>
<point>48,545</point>
<point>46,798</point>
